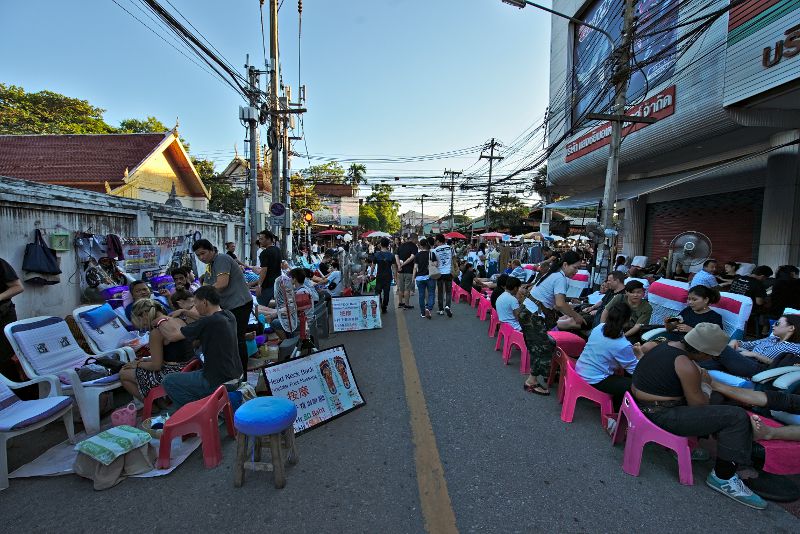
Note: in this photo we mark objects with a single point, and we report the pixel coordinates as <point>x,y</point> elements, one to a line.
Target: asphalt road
<point>509,463</point>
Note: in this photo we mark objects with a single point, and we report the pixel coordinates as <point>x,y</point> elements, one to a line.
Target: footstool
<point>260,419</point>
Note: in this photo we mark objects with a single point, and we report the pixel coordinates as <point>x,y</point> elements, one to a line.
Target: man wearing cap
<point>673,392</point>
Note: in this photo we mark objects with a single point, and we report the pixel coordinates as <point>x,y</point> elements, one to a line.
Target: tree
<point>385,209</point>
<point>46,112</point>
<point>303,196</point>
<point>355,174</point>
<point>367,218</point>
<point>507,211</point>
<point>331,173</point>
<point>149,125</point>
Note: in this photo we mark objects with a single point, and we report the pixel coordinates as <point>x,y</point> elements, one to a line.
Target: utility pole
<point>452,187</point>
<point>274,126</point>
<point>491,157</point>
<point>252,76</point>
<point>422,217</point>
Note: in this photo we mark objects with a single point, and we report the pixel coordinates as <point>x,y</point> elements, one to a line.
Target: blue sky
<point>383,77</point>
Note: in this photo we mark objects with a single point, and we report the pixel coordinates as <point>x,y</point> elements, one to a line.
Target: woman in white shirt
<point>608,350</point>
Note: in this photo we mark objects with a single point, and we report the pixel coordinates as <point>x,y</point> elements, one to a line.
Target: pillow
<point>99,316</point>
<point>110,444</point>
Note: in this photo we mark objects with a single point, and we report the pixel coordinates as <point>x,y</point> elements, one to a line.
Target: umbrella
<point>454,235</point>
<point>380,234</point>
<point>554,237</point>
<point>368,233</point>
<point>580,237</point>
<point>332,232</point>
<point>492,235</point>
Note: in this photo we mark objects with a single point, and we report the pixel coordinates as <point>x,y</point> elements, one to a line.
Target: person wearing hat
<point>673,392</point>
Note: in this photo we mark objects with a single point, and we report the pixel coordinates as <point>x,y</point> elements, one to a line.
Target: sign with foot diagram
<point>321,386</point>
<point>356,313</point>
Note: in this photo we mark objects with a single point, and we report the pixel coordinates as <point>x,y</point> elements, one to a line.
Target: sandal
<point>537,389</point>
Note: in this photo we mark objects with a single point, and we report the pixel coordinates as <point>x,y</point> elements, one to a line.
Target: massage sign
<point>659,106</point>
<point>320,385</point>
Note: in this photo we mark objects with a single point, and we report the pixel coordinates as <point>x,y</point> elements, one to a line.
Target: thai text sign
<point>658,107</point>
<point>321,386</point>
<point>356,313</point>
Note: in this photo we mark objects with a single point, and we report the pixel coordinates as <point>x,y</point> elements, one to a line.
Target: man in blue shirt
<point>706,277</point>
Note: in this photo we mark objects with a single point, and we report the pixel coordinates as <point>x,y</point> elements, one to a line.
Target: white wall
<point>25,206</point>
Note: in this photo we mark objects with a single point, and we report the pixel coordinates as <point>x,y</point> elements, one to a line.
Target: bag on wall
<point>40,263</point>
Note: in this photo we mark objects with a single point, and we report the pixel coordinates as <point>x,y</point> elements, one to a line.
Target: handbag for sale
<point>433,270</point>
<point>40,263</point>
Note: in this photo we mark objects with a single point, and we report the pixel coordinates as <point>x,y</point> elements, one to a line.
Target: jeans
<point>731,424</point>
<point>242,315</point>
<point>382,287</point>
<point>783,402</point>
<point>184,388</point>
<point>444,286</point>
<point>734,363</point>
<point>428,286</point>
<point>616,386</point>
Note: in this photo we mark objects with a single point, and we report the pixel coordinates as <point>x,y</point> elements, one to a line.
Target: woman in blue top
<point>608,350</point>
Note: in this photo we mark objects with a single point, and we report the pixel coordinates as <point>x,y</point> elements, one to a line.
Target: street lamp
<point>620,79</point>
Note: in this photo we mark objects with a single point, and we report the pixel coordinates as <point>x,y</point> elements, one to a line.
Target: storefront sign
<point>763,48</point>
<point>321,386</point>
<point>356,313</point>
<point>341,211</point>
<point>659,106</point>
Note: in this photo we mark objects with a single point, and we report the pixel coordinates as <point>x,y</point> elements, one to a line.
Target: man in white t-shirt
<point>444,285</point>
<point>508,304</point>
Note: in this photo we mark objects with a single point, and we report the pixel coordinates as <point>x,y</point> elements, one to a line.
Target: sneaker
<point>427,314</point>
<point>423,315</point>
<point>736,490</point>
<point>448,312</point>
<point>440,312</point>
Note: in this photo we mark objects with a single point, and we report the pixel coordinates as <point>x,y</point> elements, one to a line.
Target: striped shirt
<point>770,347</point>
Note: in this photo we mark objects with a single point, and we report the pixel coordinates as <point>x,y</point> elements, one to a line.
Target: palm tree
<point>355,174</point>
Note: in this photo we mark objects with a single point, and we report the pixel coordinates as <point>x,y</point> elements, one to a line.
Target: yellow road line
<point>437,509</point>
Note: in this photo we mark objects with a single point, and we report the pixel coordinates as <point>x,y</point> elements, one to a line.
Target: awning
<point>625,191</point>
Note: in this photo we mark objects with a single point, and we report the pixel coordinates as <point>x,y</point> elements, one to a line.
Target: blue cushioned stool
<point>271,418</point>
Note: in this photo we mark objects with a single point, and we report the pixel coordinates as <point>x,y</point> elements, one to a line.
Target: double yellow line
<point>437,509</point>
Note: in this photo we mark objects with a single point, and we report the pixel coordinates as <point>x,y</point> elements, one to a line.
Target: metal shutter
<point>731,220</point>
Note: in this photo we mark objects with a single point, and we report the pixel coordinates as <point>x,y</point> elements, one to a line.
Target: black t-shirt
<point>231,254</point>
<point>467,278</point>
<point>217,335</point>
<point>785,294</point>
<point>655,373</point>
<point>748,286</point>
<point>422,260</point>
<point>270,258</point>
<point>404,252</point>
<point>7,274</point>
<point>384,260</point>
<point>691,318</point>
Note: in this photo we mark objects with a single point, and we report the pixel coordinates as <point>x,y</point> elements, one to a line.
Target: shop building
<point>723,157</point>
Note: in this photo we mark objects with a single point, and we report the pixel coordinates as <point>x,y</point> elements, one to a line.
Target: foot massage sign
<point>356,313</point>
<point>321,385</point>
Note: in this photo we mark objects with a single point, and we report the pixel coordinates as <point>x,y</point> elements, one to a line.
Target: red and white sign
<point>659,106</point>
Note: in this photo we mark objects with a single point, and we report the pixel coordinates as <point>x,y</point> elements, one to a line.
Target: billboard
<point>653,49</point>
<point>763,47</point>
<point>341,211</point>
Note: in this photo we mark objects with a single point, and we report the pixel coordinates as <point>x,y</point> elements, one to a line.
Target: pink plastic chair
<point>159,392</point>
<point>475,297</point>
<point>494,322</point>
<point>457,297</point>
<point>484,307</point>
<point>560,362</point>
<point>199,417</point>
<point>514,338</point>
<point>572,345</point>
<point>576,387</point>
<point>640,431</point>
<point>501,334</point>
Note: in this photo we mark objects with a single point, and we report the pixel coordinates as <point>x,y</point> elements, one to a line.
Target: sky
<point>397,78</point>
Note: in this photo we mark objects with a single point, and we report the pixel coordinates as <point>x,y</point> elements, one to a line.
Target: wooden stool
<point>269,419</point>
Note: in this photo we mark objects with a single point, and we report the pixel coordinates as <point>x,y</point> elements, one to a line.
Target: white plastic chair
<point>103,339</point>
<point>19,417</point>
<point>38,364</point>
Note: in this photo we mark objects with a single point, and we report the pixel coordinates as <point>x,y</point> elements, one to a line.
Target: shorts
<point>405,282</point>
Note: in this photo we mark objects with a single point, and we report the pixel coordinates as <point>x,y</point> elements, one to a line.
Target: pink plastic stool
<point>457,297</point>
<point>484,307</point>
<point>576,387</point>
<point>514,338</point>
<point>494,322</point>
<point>475,297</point>
<point>641,431</point>
<point>456,290</point>
<point>572,346</point>
<point>560,361</point>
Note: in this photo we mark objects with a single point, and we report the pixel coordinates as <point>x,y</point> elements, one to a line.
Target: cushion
<point>99,316</point>
<point>571,344</point>
<point>786,417</point>
<point>731,380</point>
<point>110,444</point>
<point>48,345</point>
<point>264,416</point>
<point>111,335</point>
<point>22,414</point>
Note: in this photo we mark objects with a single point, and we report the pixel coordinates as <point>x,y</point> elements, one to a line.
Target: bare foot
<point>760,430</point>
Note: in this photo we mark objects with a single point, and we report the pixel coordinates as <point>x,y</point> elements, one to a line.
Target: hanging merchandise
<point>40,263</point>
<point>59,240</point>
